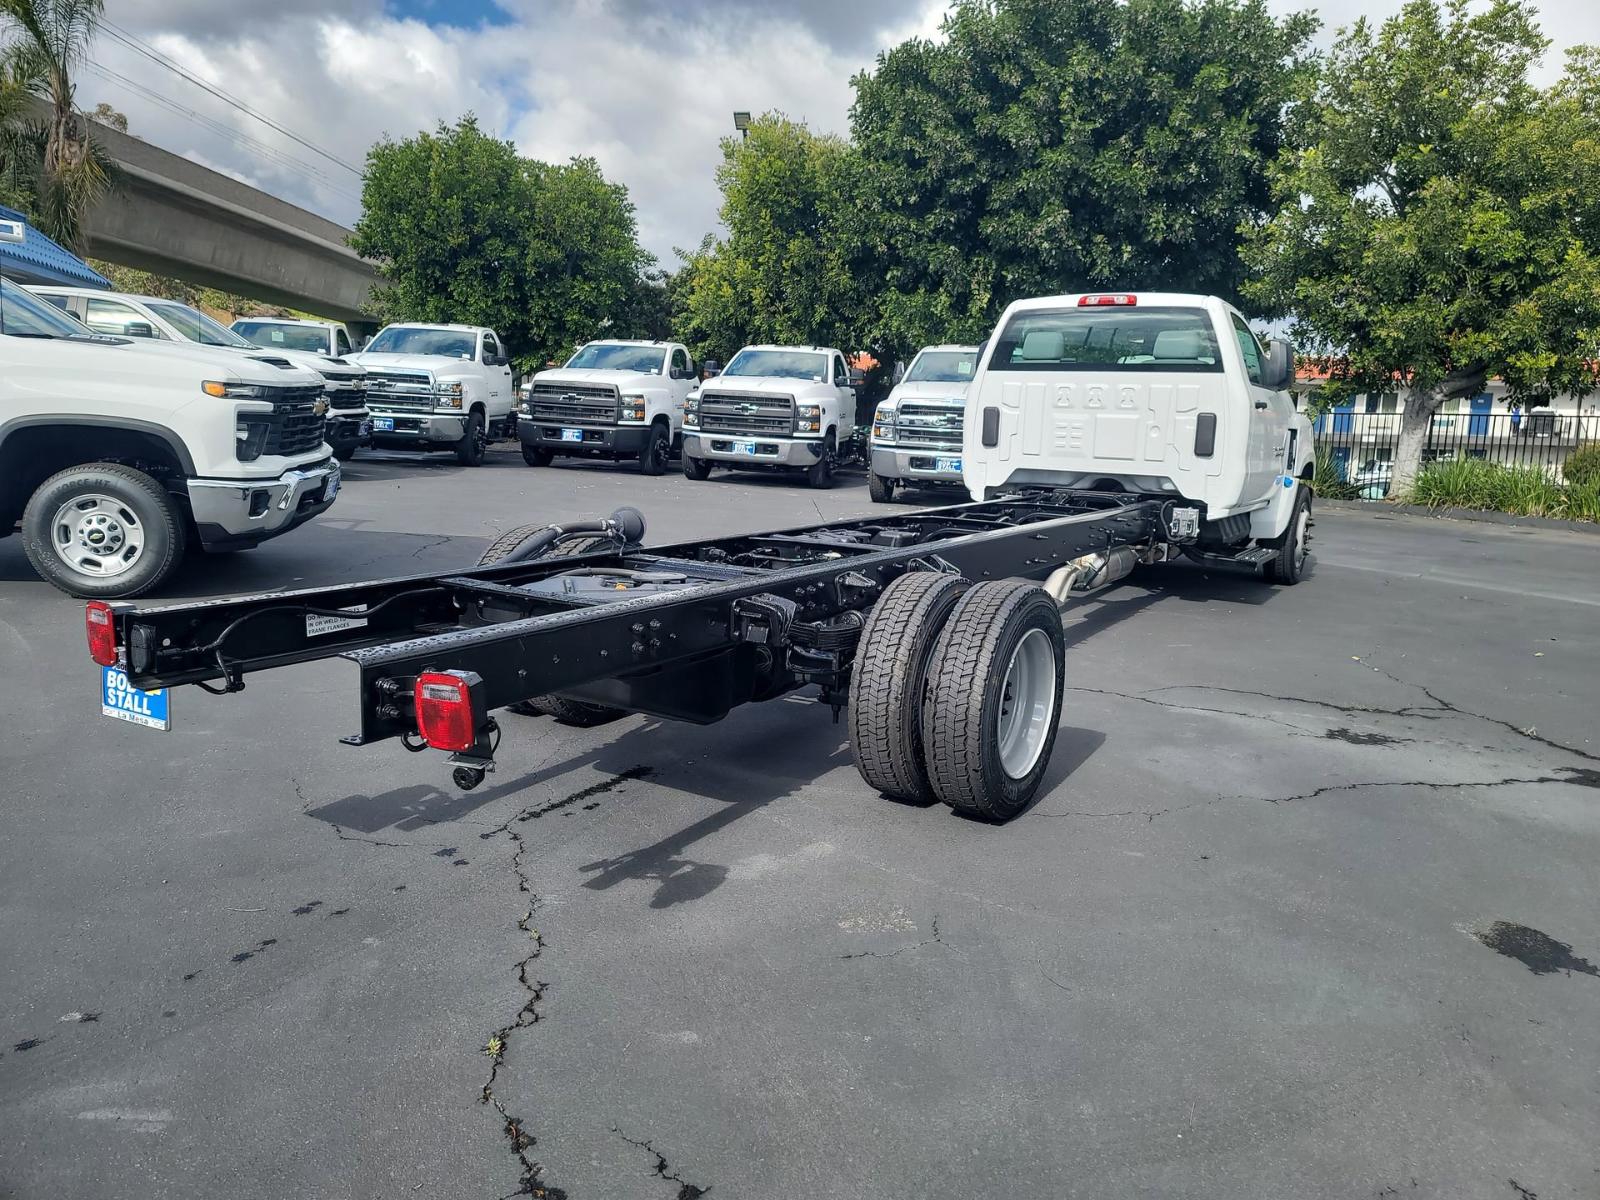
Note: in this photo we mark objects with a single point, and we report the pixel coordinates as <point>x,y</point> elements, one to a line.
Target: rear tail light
<point>449,709</point>
<point>102,631</point>
<point>1108,299</point>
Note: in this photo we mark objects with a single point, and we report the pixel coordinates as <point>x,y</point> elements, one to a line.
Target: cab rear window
<point>1115,338</point>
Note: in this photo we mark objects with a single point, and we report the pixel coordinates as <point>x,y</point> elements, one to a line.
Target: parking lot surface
<point>1306,907</point>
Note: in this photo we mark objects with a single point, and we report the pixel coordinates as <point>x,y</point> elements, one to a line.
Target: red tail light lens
<point>102,631</point>
<point>1108,300</point>
<point>444,709</point>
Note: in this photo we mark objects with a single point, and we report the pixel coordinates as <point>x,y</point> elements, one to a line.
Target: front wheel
<point>536,457</point>
<point>344,451</point>
<point>696,468</point>
<point>820,473</point>
<point>1290,565</point>
<point>470,449</point>
<point>657,450</point>
<point>102,531</point>
<point>880,489</point>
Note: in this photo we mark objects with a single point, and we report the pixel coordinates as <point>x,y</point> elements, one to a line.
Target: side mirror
<point>1277,372</point>
<point>138,329</point>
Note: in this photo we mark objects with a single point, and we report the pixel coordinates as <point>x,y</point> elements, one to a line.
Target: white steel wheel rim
<point>97,535</point>
<point>1300,525</point>
<point>1027,704</point>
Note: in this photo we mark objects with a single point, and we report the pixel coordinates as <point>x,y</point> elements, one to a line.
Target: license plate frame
<point>572,435</point>
<point>121,701</point>
<point>744,448</point>
<point>382,424</point>
<point>945,463</point>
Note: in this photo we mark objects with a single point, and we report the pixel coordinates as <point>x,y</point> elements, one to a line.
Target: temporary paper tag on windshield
<point>120,699</point>
<point>317,624</point>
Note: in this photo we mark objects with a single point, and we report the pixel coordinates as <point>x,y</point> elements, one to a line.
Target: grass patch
<point>1525,491</point>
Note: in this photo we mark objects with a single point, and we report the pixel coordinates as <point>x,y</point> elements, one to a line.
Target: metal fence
<point>1361,445</point>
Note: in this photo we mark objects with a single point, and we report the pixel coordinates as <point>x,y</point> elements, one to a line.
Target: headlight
<point>250,438</point>
<point>632,407</point>
<point>883,425</point>
<point>691,412</point>
<point>235,391</point>
<point>808,418</point>
<point>447,395</point>
<point>526,408</point>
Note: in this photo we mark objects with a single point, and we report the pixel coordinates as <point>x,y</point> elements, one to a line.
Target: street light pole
<point>741,122</point>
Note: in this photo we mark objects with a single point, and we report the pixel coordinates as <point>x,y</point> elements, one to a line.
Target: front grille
<point>400,389</point>
<point>352,395</point>
<point>931,425</point>
<point>294,425</point>
<point>746,413</point>
<point>576,404</point>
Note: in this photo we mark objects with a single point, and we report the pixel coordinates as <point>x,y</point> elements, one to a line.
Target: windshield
<point>780,364</point>
<point>943,366</point>
<point>412,339</point>
<point>25,315</point>
<point>608,356</point>
<point>1088,339</point>
<point>194,324</point>
<point>274,336</point>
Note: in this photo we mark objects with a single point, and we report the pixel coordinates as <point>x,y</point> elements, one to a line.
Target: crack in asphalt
<point>661,1170</point>
<point>936,939</point>
<point>532,1181</point>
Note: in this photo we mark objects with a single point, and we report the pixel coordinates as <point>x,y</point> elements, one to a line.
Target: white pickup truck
<point>438,387</point>
<point>772,407</point>
<point>124,314</point>
<point>349,422</point>
<point>116,454</point>
<point>916,432</point>
<point>615,400</point>
<point>1155,393</point>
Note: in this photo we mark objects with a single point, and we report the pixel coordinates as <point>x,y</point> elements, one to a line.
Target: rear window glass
<point>1094,339</point>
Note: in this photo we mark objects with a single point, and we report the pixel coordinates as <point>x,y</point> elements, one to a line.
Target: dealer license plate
<point>383,424</point>
<point>947,464</point>
<point>744,447</point>
<point>572,435</point>
<point>120,699</point>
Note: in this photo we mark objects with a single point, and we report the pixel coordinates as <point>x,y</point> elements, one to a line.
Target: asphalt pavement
<point>1307,907</point>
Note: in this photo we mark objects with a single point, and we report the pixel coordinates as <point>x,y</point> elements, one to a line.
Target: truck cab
<point>615,400</point>
<point>118,454</point>
<point>438,387</point>
<point>916,431</point>
<point>772,408</point>
<point>171,322</point>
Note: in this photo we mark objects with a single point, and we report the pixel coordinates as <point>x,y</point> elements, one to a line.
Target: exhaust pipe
<point>1091,572</point>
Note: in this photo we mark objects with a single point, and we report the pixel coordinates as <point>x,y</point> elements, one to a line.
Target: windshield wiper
<point>49,337</point>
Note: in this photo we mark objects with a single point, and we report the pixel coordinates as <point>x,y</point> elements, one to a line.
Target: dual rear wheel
<point>956,693</point>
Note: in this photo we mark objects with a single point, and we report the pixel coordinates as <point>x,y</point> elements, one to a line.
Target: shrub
<point>1583,466</point>
<point>1526,491</point>
<point>1328,478</point>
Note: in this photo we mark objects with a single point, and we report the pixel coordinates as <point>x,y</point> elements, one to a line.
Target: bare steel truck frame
<point>939,629</point>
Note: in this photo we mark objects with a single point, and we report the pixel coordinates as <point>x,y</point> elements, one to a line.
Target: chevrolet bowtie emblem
<point>747,409</point>
<point>320,408</point>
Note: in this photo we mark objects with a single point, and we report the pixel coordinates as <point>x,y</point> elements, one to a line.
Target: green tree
<point>785,270</point>
<point>1045,146</point>
<point>470,232</point>
<point>1439,215</point>
<point>47,40</point>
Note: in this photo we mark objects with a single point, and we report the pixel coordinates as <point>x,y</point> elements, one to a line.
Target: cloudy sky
<point>645,86</point>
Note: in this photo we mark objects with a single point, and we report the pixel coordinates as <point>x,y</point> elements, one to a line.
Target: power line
<point>236,137</point>
<point>150,52</point>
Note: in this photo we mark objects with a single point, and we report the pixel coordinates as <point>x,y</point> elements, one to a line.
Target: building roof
<point>39,260</point>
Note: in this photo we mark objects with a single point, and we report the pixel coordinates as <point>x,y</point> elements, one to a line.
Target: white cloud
<point>647,87</point>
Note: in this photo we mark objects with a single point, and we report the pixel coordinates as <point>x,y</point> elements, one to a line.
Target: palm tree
<point>49,39</point>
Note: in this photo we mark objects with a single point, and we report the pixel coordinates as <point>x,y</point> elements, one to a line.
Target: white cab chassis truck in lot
<point>117,455</point>
<point>616,400</point>
<point>439,387</point>
<point>773,407</point>
<point>1103,434</point>
<point>916,432</point>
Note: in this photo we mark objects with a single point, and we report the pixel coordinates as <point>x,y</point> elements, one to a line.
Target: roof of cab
<point>286,321</point>
<point>1145,299</point>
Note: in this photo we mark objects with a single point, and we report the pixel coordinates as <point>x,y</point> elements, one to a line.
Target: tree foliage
<point>1439,216</point>
<point>470,232</point>
<point>1053,145</point>
<point>784,271</point>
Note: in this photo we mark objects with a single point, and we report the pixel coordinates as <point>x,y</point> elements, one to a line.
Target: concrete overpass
<point>174,217</point>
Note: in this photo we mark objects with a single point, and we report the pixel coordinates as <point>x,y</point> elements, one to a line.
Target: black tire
<point>514,537</point>
<point>964,698</point>
<point>536,457</point>
<point>1290,565</point>
<point>820,473</point>
<point>696,468</point>
<point>344,451</point>
<point>147,508</point>
<point>473,443</point>
<point>887,682</point>
<point>657,451</point>
<point>880,489</point>
<point>576,713</point>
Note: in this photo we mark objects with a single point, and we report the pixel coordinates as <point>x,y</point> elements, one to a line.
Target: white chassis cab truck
<point>439,387</point>
<point>1104,433</point>
<point>1158,393</point>
<point>916,432</point>
<point>772,407</point>
<point>171,322</point>
<point>117,454</point>
<point>349,422</point>
<point>615,400</point>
